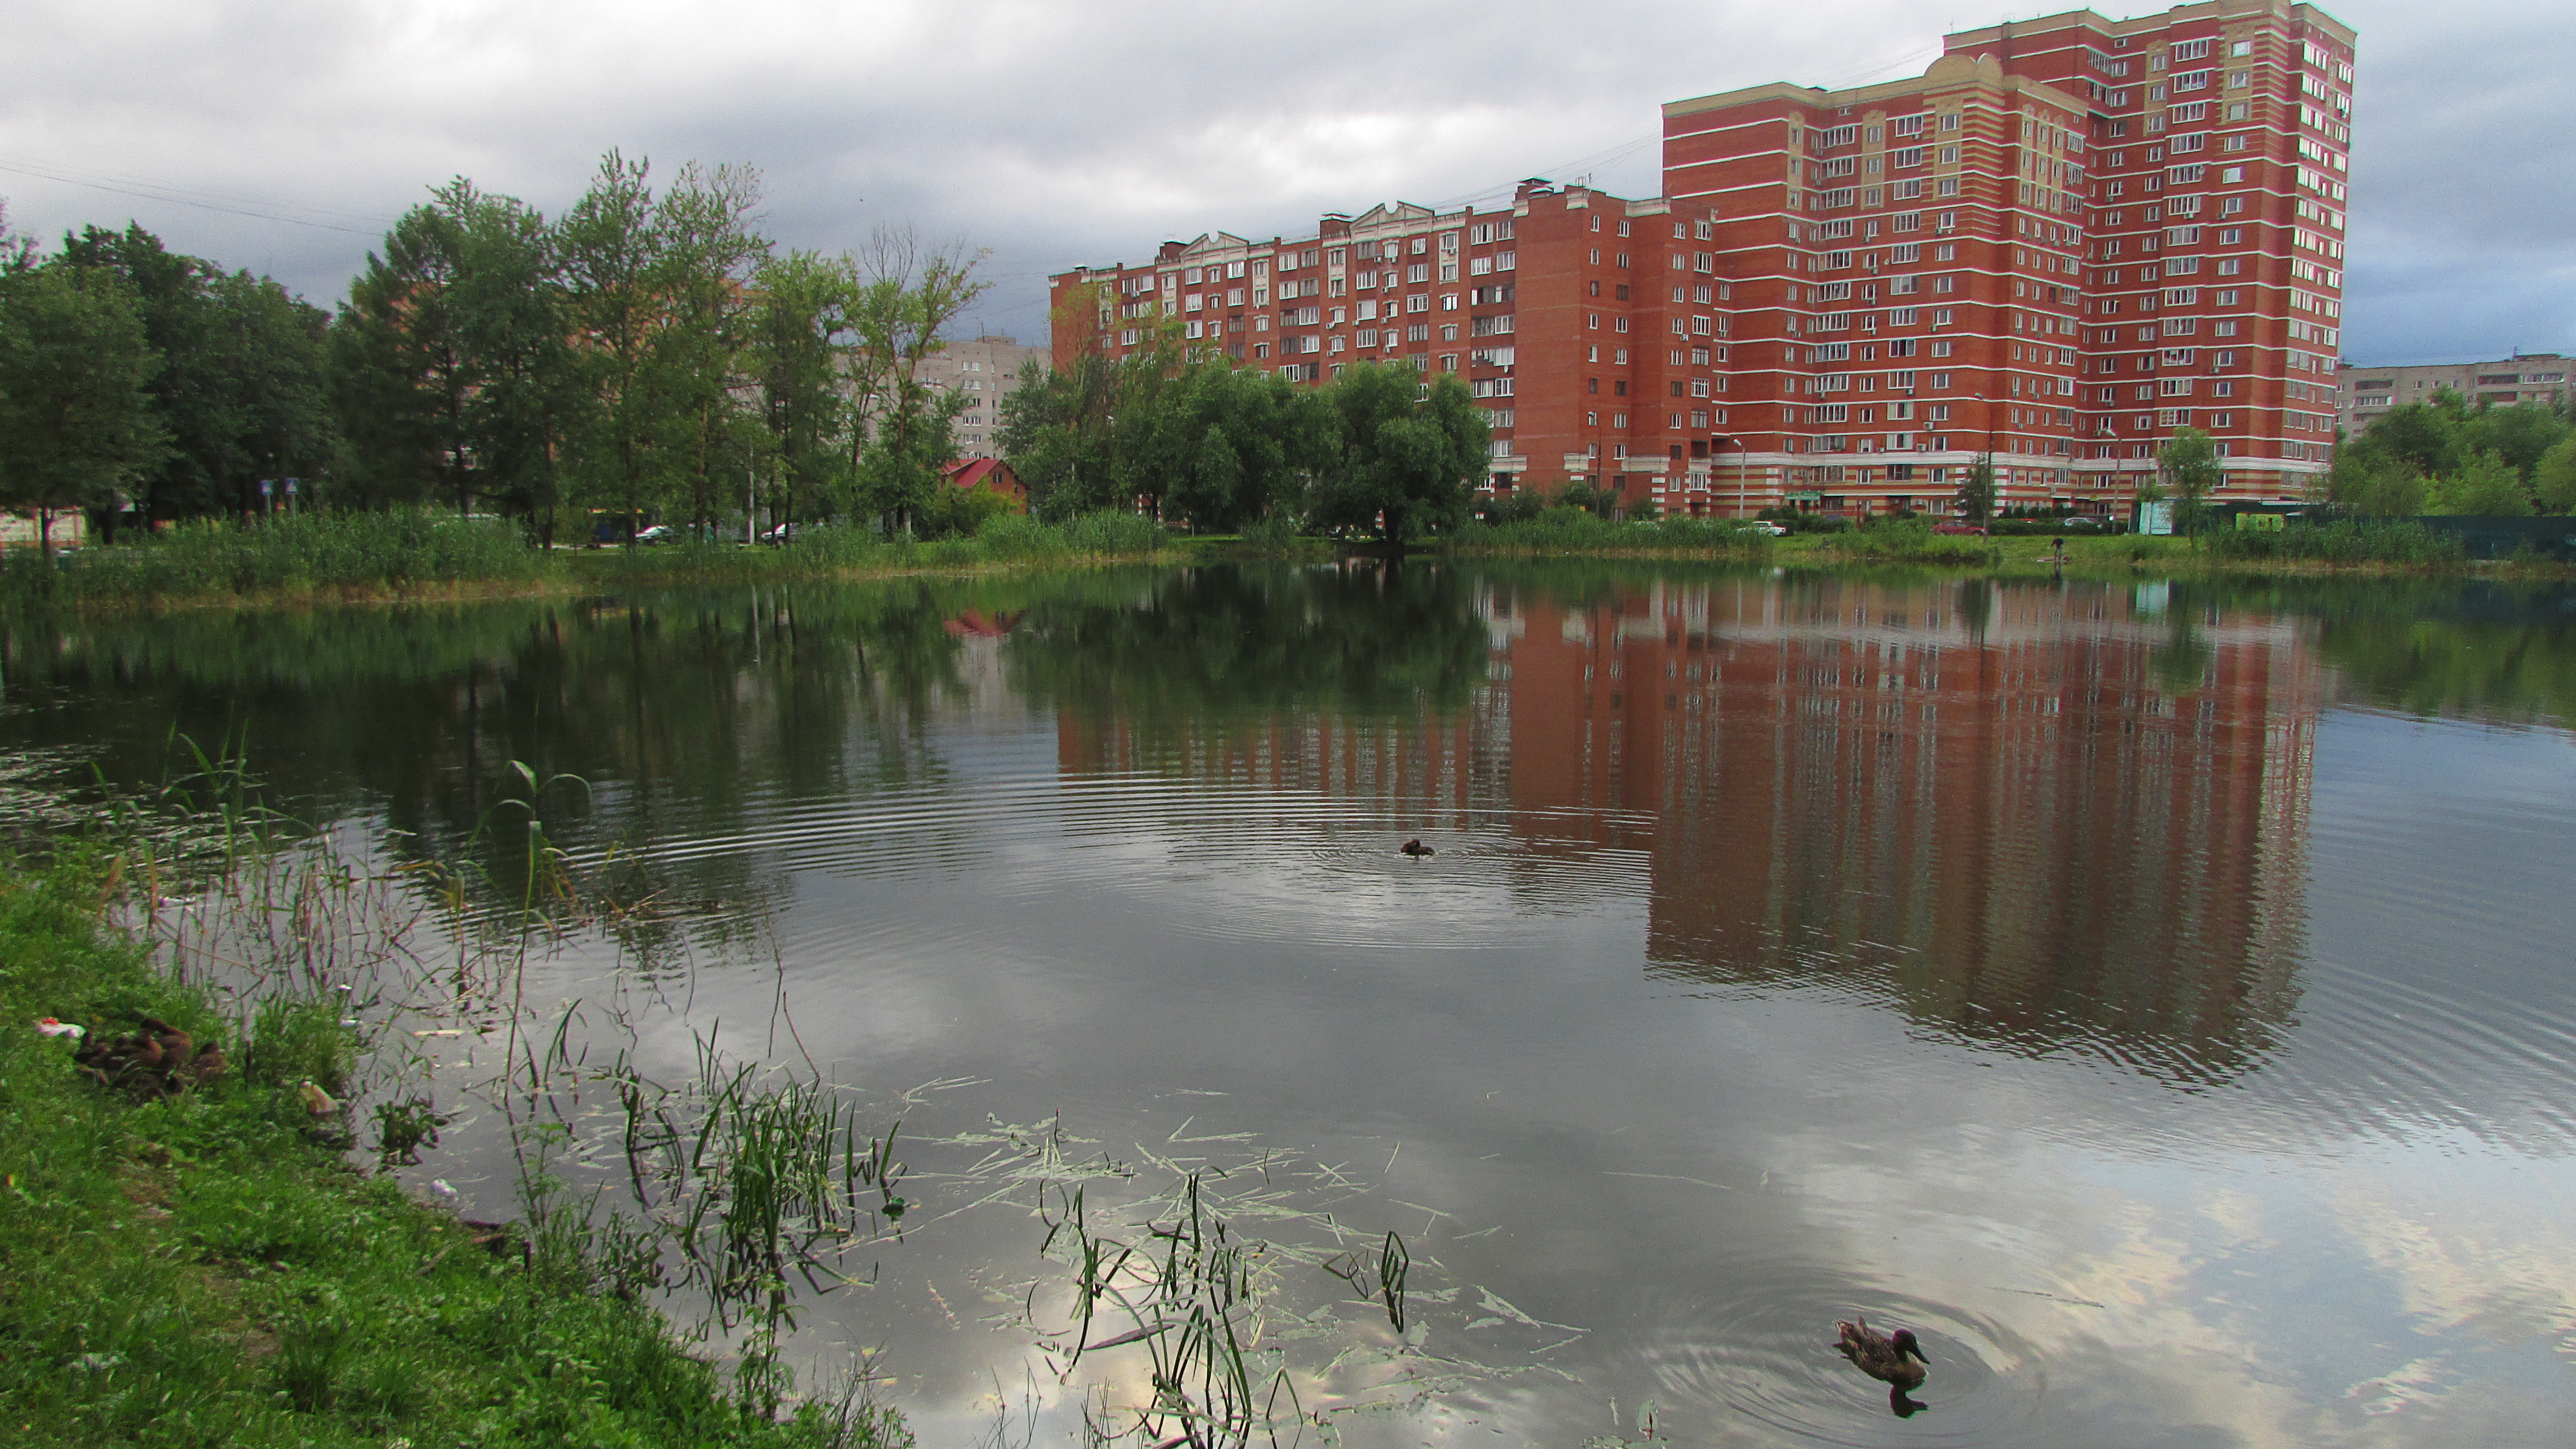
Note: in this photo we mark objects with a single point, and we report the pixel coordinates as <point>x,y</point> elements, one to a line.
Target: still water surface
<point>2157,996</point>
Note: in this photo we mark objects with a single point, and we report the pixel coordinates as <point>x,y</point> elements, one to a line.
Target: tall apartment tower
<point>2070,237</point>
<point>1587,332</point>
<point>1906,265</point>
<point>2221,137</point>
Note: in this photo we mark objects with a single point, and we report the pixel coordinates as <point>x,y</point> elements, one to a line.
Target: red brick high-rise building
<point>1907,267</point>
<point>2221,143</point>
<point>2067,239</point>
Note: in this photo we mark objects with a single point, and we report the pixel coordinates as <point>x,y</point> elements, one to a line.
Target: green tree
<point>1226,446</point>
<point>800,344</point>
<point>2425,435</point>
<point>613,307</point>
<point>2520,435</point>
<point>2486,486</point>
<point>1976,499</point>
<point>2189,468</point>
<point>2554,478</point>
<point>241,391</point>
<point>508,313</point>
<point>76,414</point>
<point>401,382</point>
<point>1402,457</point>
<point>2375,484</point>
<point>1054,431</point>
<point>709,257</point>
<point>17,253</point>
<point>902,427</point>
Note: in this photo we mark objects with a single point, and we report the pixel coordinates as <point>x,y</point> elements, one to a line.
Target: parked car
<point>1955,527</point>
<point>2084,521</point>
<point>658,533</point>
<point>1776,530</point>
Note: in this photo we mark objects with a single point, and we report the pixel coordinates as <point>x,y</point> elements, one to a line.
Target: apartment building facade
<point>2368,393</point>
<point>2221,150</point>
<point>1844,299</point>
<point>1906,264</point>
<point>1574,316</point>
<point>983,370</point>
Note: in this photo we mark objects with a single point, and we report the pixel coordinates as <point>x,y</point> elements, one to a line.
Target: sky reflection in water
<point>2155,996</point>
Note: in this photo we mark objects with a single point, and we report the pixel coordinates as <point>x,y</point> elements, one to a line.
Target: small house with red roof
<point>992,474</point>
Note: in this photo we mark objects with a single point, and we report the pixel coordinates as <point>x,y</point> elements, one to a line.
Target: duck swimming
<point>1416,848</point>
<point>1895,1360</point>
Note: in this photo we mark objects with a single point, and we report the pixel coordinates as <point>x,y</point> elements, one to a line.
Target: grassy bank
<point>428,556</point>
<point>1574,530</point>
<point>316,558</point>
<point>195,1263</point>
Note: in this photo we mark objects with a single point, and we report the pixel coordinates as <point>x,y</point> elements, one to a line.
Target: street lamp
<point>1720,440</point>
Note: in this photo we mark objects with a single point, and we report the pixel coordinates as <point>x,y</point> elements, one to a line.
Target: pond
<point>2155,994</point>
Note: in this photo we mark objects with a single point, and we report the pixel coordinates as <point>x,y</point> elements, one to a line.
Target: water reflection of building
<point>2036,814</point>
<point>2028,811</point>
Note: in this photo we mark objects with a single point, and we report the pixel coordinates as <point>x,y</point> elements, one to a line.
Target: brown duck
<point>1895,1360</point>
<point>155,1061</point>
<point>1415,848</point>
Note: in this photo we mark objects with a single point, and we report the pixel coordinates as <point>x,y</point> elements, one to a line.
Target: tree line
<point>647,353</point>
<point>2443,456</point>
<point>1192,437</point>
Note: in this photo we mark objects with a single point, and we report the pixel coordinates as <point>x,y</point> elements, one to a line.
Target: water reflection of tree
<point>1227,644</point>
<point>687,711</point>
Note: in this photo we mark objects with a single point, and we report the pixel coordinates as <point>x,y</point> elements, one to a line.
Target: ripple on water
<point>1762,1346</point>
<point>1222,863</point>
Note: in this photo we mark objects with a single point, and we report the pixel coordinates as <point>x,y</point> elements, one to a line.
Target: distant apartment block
<point>2369,392</point>
<point>2067,239</point>
<point>1580,320</point>
<point>983,371</point>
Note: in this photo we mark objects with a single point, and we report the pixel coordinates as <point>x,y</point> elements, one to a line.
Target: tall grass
<point>150,1245</point>
<point>830,550</point>
<point>317,552</point>
<point>2352,541</point>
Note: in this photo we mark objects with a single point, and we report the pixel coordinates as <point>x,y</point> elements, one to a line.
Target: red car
<point>1954,526</point>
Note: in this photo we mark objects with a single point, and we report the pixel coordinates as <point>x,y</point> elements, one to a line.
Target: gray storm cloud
<point>284,137</point>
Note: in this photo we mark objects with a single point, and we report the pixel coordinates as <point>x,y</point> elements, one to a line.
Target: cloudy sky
<point>284,136</point>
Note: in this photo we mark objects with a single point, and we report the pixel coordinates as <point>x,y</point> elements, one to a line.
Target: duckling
<point>174,1043</point>
<point>1416,848</point>
<point>319,1104</point>
<point>205,1066</point>
<point>1895,1360</point>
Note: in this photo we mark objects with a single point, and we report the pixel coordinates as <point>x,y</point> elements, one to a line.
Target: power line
<point>206,201</point>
